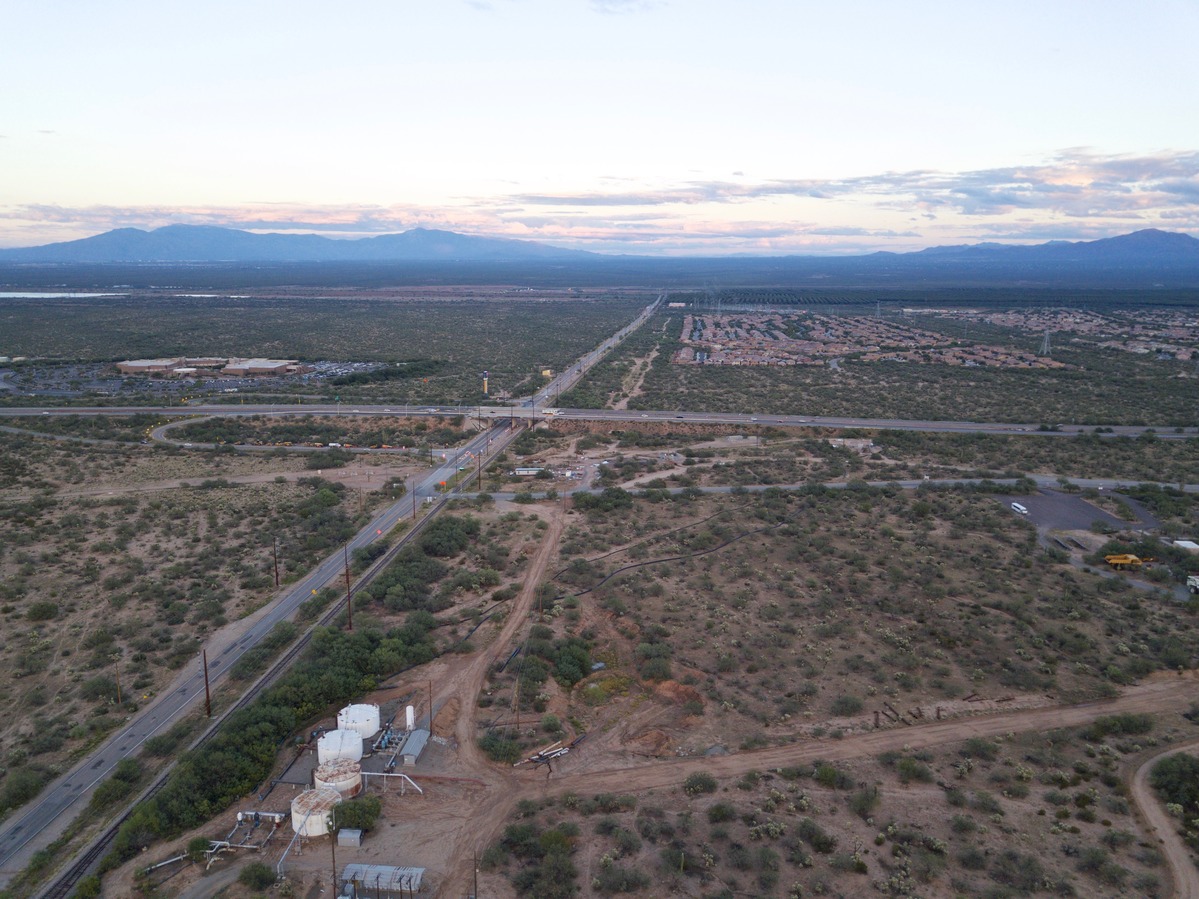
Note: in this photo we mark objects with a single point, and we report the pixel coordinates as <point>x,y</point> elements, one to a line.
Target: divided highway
<point>25,832</point>
<point>38,825</point>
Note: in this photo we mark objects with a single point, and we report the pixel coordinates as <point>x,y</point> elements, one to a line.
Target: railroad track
<point>85,862</point>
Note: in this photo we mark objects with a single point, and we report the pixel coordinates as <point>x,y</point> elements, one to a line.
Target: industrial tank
<point>339,744</point>
<point>310,811</point>
<point>343,775</point>
<point>364,719</point>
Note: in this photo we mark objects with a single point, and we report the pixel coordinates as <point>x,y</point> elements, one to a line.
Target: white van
<point>1016,507</point>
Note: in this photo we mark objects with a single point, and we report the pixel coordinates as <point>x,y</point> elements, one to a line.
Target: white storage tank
<point>310,811</point>
<point>343,775</point>
<point>339,744</point>
<point>361,718</point>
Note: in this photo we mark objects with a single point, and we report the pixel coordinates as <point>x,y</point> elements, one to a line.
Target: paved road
<point>537,412</point>
<point>36,826</point>
<point>22,834</point>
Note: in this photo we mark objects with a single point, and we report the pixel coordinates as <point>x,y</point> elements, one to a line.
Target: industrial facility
<point>331,767</point>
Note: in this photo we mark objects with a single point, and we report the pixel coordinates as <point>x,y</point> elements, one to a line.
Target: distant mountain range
<point>204,243</point>
<point>1144,259</point>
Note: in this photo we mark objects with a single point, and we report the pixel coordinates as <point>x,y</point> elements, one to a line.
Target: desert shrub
<point>721,811</point>
<point>847,862</point>
<point>962,824</point>
<point>257,876</point>
<point>1126,724</point>
<point>846,705</point>
<point>88,888</point>
<point>911,770</point>
<point>864,801</point>
<point>617,879</point>
<point>699,782</point>
<point>1015,869</point>
<point>99,688</point>
<point>20,785</point>
<point>42,611</point>
<point>815,836</point>
<point>500,748</point>
<point>361,813</point>
<point>972,858</point>
<point>980,748</point>
<point>828,776</point>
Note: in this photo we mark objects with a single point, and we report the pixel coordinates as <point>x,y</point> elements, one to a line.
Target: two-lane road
<point>38,825</point>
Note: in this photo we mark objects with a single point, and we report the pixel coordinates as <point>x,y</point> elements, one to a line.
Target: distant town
<point>813,339</point>
<point>809,338</point>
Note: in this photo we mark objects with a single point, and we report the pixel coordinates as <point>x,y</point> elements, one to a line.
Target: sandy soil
<point>641,368</point>
<point>1182,866</point>
<point>468,800</point>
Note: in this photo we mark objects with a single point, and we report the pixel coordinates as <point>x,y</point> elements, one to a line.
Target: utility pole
<point>207,693</point>
<point>333,848</point>
<point>275,553</point>
<point>349,602</point>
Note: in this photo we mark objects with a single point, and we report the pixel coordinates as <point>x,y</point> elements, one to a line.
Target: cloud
<point>622,7</point>
<point>1075,195</point>
<point>1074,183</point>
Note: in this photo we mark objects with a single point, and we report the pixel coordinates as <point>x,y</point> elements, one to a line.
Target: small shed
<point>414,746</point>
<point>349,836</point>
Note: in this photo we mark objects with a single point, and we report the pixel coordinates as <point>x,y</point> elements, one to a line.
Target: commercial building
<point>184,367</point>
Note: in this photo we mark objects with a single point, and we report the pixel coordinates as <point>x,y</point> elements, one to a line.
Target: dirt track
<point>1182,867</point>
<point>464,811</point>
<point>459,821</point>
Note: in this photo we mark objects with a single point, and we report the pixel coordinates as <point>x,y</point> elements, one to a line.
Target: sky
<point>659,127</point>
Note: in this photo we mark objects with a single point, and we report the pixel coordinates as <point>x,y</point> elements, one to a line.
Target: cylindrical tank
<point>310,811</point>
<point>361,718</point>
<point>339,744</point>
<point>343,775</point>
<point>409,718</point>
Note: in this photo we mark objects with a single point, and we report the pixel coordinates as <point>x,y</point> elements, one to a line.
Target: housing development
<point>847,596</point>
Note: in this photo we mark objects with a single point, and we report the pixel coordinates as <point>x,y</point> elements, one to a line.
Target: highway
<point>37,825</point>
<point>45,820</point>
<point>538,413</point>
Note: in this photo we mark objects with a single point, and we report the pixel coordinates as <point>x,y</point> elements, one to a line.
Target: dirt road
<point>468,817</point>
<point>1186,875</point>
<point>1163,693</point>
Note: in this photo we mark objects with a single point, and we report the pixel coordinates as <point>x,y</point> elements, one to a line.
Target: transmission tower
<point>1045,348</point>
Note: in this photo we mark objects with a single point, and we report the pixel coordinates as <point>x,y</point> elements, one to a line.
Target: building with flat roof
<point>380,882</point>
<point>252,367</point>
<point>149,366</point>
<point>414,746</point>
